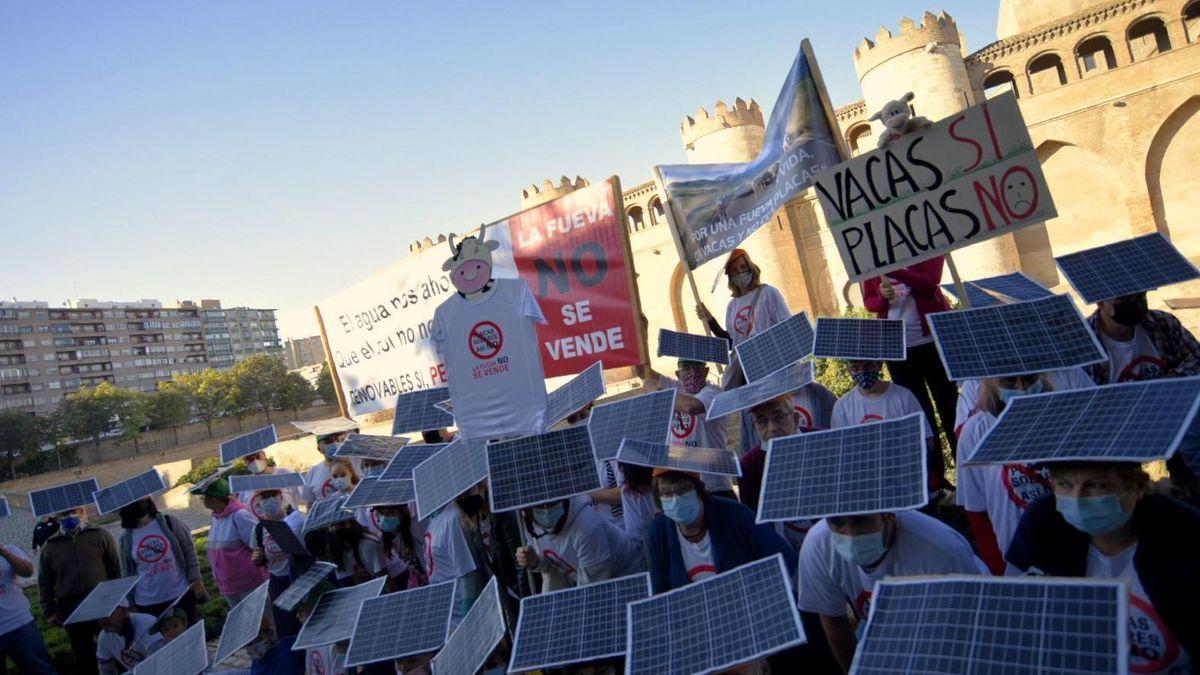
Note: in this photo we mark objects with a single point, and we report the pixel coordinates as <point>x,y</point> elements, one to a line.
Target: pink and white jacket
<point>230,542</point>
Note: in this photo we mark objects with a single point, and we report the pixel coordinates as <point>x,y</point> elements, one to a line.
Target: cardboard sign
<point>967,178</point>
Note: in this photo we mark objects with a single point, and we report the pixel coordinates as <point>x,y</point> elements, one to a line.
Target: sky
<point>272,154</point>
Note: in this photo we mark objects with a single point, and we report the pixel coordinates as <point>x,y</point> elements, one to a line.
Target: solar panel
<point>415,411</point>
<point>1002,625</point>
<point>446,406</point>
<point>285,538</point>
<point>377,492</point>
<point>299,589</point>
<point>103,599</point>
<point>685,458</point>
<point>332,619</point>
<point>574,395</point>
<point>537,469</point>
<point>128,491</point>
<point>401,624</point>
<point>737,616</point>
<point>1126,267</point>
<point>693,347</point>
<point>1130,422</point>
<point>242,624</point>
<point>265,481</point>
<point>62,497</point>
<point>475,637</point>
<point>247,444</point>
<point>776,348</point>
<point>185,655</point>
<point>326,427</point>
<point>371,447</point>
<point>326,512</point>
<point>645,418</point>
<point>868,468</point>
<point>1016,339</point>
<point>448,474</point>
<point>788,380</point>
<point>861,339</point>
<point>402,465</point>
<point>998,290</point>
<point>976,296</point>
<point>586,623</point>
<point>5,511</point>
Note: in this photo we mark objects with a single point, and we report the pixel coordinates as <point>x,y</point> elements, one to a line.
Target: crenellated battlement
<point>701,123</point>
<point>934,29</point>
<point>534,195</point>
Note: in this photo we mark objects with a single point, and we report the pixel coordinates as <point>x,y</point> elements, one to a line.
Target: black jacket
<point>1167,558</point>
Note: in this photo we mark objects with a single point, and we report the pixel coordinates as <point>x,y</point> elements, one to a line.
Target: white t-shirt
<point>163,579</point>
<point>111,646</point>
<point>743,319</point>
<point>447,553</point>
<point>814,403</point>
<point>588,549</point>
<point>1065,379</point>
<point>370,550</point>
<point>290,496</point>
<point>318,483</point>
<point>794,531</point>
<point>697,431</point>
<point>856,407</point>
<point>493,360</point>
<point>638,510</point>
<point>697,557</point>
<point>922,546</point>
<point>14,606</point>
<point>905,309</point>
<point>1152,648</point>
<point>279,563</point>
<point>1134,360</point>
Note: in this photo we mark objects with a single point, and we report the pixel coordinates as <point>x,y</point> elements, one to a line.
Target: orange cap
<point>734,255</point>
<point>660,470</point>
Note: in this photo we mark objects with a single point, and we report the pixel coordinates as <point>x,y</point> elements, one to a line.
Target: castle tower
<point>534,195</point>
<point>727,135</point>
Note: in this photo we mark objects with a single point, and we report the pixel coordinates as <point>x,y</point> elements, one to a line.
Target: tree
<point>169,408</point>
<point>325,390</point>
<point>130,410</point>
<point>208,392</point>
<point>258,380</point>
<point>296,394</point>
<point>20,434</point>
<point>87,415</point>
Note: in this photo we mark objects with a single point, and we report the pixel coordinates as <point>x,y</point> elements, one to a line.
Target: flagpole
<point>687,268</point>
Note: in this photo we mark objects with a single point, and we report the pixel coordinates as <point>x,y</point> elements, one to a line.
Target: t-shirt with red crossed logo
<point>856,407</point>
<point>697,557</point>
<point>1152,647</point>
<point>754,312</point>
<point>447,553</point>
<point>697,431</point>
<point>163,579</point>
<point>1133,360</point>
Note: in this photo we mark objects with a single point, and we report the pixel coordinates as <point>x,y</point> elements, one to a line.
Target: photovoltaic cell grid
<point>103,599</point>
<point>5,511</point>
<point>995,625</point>
<point>129,491</point>
<point>332,619</point>
<point>242,624</point>
<point>326,512</point>
<point>867,468</point>
<point>1016,339</point>
<point>62,497</point>
<point>185,655</point>
<point>299,589</point>
<point>704,460</point>
<point>740,615</point>
<point>574,395</point>
<point>401,624</point>
<point>327,426</point>
<point>791,379</point>
<point>446,406</point>
<point>415,411</point>
<point>285,538</point>
<point>999,290</point>
<point>643,418</point>
<point>402,465</point>
<point>693,347</point>
<point>776,348</point>
<point>1133,421</point>
<point>537,469</point>
<point>266,481</point>
<point>376,492</point>
<point>448,474</point>
<point>475,637</point>
<point>1126,267</point>
<point>579,624</point>
<point>371,447</point>
<point>247,444</point>
<point>874,339</point>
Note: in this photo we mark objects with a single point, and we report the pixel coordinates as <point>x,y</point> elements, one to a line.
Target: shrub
<point>207,468</point>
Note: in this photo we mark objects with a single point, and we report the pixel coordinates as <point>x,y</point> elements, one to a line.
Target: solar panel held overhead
<point>575,394</point>
<point>686,346</point>
<point>402,465</point>
<point>860,339</point>
<point>475,637</point>
<point>776,348</point>
<point>537,469</point>
<point>371,447</point>
<point>415,411</point>
<point>248,444</point>
<point>66,497</point>
<point>999,290</point>
<point>1126,267</point>
<point>719,461</point>
<point>332,618</point>
<point>401,624</point>
<point>449,473</point>
<point>128,491</point>
<point>789,380</point>
<point>645,418</point>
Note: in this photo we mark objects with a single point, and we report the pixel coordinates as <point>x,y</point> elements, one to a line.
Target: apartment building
<point>302,352</point>
<point>253,331</point>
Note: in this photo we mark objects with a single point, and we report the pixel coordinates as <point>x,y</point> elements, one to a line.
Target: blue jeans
<point>25,647</point>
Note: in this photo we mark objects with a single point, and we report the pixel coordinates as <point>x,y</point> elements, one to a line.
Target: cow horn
<point>453,251</point>
<point>482,228</point>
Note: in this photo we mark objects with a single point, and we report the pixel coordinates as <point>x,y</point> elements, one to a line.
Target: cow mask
<point>470,264</point>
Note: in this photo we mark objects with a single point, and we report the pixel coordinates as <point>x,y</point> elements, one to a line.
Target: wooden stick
<point>337,382</point>
<point>962,290</point>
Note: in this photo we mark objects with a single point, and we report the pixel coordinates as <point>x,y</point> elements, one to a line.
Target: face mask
<point>471,504</point>
<point>693,382</point>
<point>70,523</point>
<point>866,379</point>
<point>256,465</point>
<point>1130,313</point>
<point>862,549</point>
<point>340,483</point>
<point>270,506</point>
<point>548,518</point>
<point>742,279</point>
<point>389,523</point>
<point>330,449</point>
<point>1007,395</point>
<point>683,509</point>
<point>1093,515</point>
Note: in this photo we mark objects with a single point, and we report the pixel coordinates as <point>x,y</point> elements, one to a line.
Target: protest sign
<point>573,253</point>
<point>714,207</point>
<point>967,178</point>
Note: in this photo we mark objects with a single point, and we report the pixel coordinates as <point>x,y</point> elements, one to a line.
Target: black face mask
<point>471,504</point>
<point>1130,313</point>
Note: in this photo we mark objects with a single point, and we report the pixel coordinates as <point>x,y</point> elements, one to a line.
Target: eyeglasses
<point>673,492</point>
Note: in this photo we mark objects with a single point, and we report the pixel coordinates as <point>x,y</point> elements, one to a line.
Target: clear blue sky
<point>273,153</point>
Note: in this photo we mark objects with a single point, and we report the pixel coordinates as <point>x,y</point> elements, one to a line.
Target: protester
<point>171,624</point>
<point>342,476</point>
<point>45,529</point>
<point>230,542</point>
<point>1064,379</point>
<point>689,426</point>
<point>1101,521</point>
<point>572,546</point>
<point>494,539</point>
<point>447,551</point>
<point>126,639</point>
<point>260,465</point>
<point>159,547</point>
<point>371,467</point>
<point>267,552</point>
<point>814,403</point>
<point>72,562</point>
<point>402,552</point>
<point>357,552</point>
<point>272,654</point>
<point>636,495</point>
<point>20,639</point>
<point>317,481</point>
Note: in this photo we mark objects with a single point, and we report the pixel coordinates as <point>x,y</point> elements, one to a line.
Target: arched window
<point>636,222</point>
<point>1095,55</point>
<point>657,215</point>
<point>861,139</point>
<point>1046,73</point>
<point>999,82</point>
<point>1191,21</point>
<point>1148,37</point>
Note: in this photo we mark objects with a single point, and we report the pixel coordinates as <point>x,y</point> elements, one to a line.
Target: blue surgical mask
<point>389,523</point>
<point>683,509</point>
<point>865,379</point>
<point>341,483</point>
<point>70,523</point>
<point>548,518</point>
<point>331,448</point>
<point>1007,395</point>
<point>270,506</point>
<point>860,549</point>
<point>1093,515</point>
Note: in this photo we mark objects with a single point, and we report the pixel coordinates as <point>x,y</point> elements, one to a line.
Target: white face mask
<point>256,465</point>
